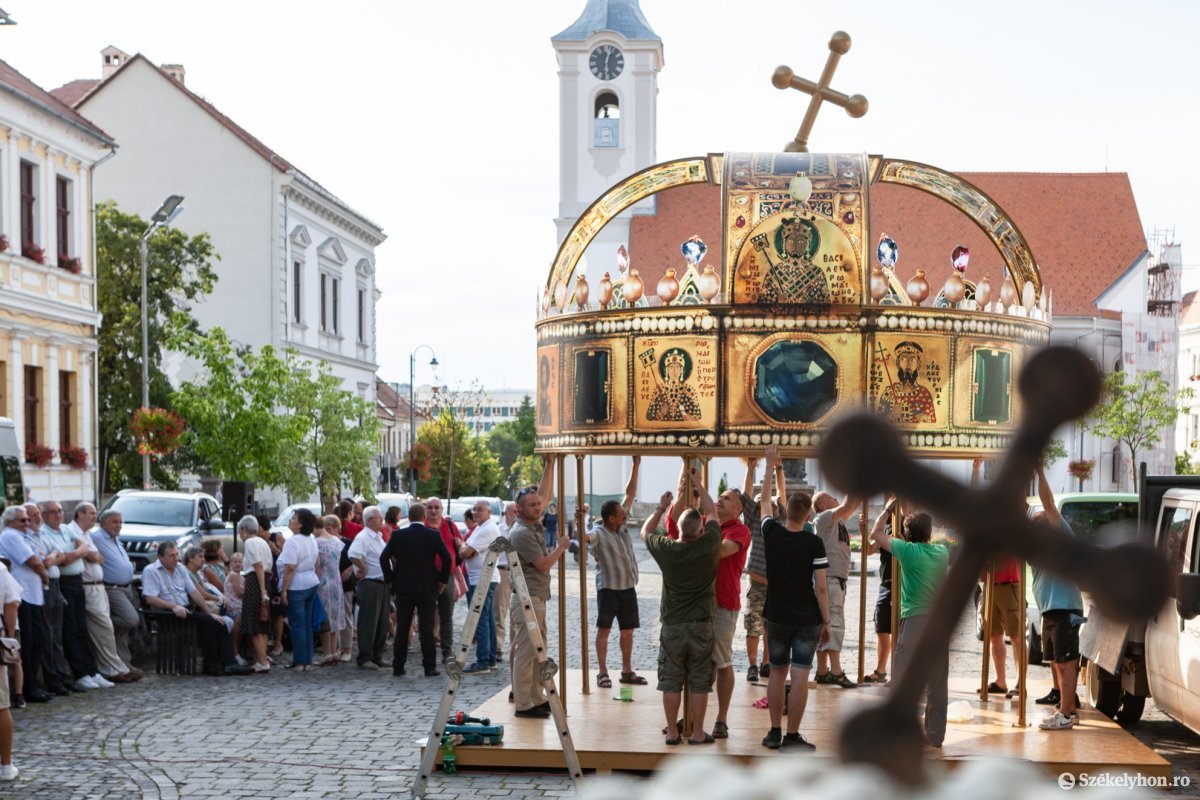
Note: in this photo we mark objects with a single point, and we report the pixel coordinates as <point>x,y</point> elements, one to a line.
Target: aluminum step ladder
<point>454,668</point>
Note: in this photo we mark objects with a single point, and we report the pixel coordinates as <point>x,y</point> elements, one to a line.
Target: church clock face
<point>606,62</point>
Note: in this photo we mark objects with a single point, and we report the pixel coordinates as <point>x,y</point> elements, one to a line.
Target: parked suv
<point>152,517</point>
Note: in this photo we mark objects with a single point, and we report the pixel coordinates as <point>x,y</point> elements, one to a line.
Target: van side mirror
<point>214,524</point>
<point>1187,601</point>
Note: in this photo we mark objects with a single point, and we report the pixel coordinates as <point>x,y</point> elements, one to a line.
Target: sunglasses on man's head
<point>525,491</point>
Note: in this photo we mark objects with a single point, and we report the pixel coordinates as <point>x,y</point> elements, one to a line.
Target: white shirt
<point>257,551</point>
<point>481,539</point>
<point>92,572</point>
<point>10,590</point>
<point>368,545</point>
<point>300,551</point>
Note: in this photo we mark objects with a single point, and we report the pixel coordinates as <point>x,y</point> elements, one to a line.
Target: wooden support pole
<point>583,595</point>
<point>862,593</point>
<point>897,532</point>
<point>687,503</point>
<point>989,587</point>
<point>1022,649</point>
<point>561,478</point>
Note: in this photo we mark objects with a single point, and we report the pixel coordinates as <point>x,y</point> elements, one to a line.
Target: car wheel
<point>1034,651</point>
<point>1104,690</point>
<point>1132,707</point>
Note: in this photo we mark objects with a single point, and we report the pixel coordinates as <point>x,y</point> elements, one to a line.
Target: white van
<point>1173,635</point>
<point>12,483</point>
<point>1160,658</point>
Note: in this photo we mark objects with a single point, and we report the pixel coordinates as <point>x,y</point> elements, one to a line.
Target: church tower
<point>608,65</point>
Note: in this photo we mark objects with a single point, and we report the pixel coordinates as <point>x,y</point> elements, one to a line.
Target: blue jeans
<point>300,621</point>
<point>485,633</point>
<point>792,643</point>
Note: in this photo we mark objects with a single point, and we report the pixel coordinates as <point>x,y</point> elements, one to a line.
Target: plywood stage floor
<point>612,735</point>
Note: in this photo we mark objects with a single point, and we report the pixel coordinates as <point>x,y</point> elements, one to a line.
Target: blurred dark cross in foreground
<point>864,456</point>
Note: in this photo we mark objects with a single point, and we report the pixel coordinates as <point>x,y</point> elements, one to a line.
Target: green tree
<point>512,440</point>
<point>1135,410</point>
<point>527,470</point>
<point>234,431</point>
<point>179,272</point>
<point>460,464</point>
<point>1055,451</point>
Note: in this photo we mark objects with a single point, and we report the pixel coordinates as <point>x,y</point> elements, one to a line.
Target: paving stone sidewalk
<point>330,733</point>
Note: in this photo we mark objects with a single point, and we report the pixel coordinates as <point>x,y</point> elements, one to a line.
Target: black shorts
<point>619,604</point>
<point>883,616</point>
<point>1060,639</point>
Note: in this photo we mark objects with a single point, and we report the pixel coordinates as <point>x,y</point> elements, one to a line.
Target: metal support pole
<point>862,593</point>
<point>687,503</point>
<point>561,478</point>
<point>898,532</point>
<point>144,249</point>
<point>583,618</point>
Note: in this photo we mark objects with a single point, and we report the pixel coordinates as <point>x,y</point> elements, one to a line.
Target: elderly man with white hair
<point>372,590</point>
<point>29,569</point>
<point>99,619</point>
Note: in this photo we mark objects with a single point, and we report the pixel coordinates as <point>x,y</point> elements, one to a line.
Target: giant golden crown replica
<point>792,319</point>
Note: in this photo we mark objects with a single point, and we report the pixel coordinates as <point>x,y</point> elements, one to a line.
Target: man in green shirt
<point>922,571</point>
<point>689,572</point>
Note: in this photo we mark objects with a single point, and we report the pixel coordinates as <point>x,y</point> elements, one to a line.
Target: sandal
<point>633,678</point>
<point>875,677</point>
<point>605,682</point>
<point>995,688</point>
<point>673,740</point>
<point>720,730</point>
<point>708,739</point>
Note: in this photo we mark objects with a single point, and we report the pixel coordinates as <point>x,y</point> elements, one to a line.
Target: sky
<point>440,120</point>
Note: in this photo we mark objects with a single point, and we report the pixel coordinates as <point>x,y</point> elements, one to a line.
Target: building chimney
<point>111,59</point>
<point>176,71</point>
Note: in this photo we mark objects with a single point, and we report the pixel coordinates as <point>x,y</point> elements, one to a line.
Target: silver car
<point>152,517</point>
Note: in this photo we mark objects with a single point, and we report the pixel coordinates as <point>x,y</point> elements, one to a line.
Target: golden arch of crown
<point>795,319</point>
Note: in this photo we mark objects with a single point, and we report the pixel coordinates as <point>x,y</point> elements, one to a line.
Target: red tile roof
<point>1084,231</point>
<point>71,93</point>
<point>15,83</point>
<point>1189,310</point>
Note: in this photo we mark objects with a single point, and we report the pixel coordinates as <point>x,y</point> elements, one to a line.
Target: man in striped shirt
<point>616,582</point>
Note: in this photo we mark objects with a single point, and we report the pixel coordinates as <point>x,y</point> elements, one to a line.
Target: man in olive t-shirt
<point>689,570</point>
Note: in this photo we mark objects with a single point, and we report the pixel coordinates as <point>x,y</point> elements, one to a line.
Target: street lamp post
<point>169,209</point>
<point>412,411</point>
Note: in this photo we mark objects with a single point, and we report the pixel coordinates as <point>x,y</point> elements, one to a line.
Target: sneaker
<point>752,674</point>
<point>795,740</point>
<point>100,682</point>
<point>241,661</point>
<point>19,701</point>
<point>8,772</point>
<point>1051,699</point>
<point>764,671</point>
<point>773,740</point>
<point>85,683</point>
<point>842,681</point>
<point>471,669</point>
<point>261,667</point>
<point>1057,722</point>
<point>1058,703</point>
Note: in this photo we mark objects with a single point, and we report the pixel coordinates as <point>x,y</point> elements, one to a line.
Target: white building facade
<point>297,264</point>
<point>48,316</point>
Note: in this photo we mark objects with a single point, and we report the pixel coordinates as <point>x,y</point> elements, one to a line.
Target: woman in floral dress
<point>329,550</point>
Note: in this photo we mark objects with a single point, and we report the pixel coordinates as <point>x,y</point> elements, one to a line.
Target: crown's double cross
<point>855,104</point>
<point>864,456</point>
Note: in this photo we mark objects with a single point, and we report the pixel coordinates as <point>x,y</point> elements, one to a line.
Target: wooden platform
<point>611,735</point>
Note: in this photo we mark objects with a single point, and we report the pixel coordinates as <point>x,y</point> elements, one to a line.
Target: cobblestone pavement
<point>338,732</point>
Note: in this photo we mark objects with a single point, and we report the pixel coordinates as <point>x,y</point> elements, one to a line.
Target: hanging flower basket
<point>1081,470</point>
<point>74,457</point>
<point>38,454</point>
<point>157,430</point>
<point>33,252</point>
<point>3,243</point>
<point>72,264</point>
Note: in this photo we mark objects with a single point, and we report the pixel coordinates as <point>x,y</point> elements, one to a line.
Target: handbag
<point>10,650</point>
<point>320,622</point>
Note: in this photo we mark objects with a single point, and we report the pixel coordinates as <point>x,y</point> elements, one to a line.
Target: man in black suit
<point>410,562</point>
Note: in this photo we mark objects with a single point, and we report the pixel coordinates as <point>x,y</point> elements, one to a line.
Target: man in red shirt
<point>449,595</point>
<point>735,545</point>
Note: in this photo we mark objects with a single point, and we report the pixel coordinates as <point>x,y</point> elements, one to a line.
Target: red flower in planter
<point>38,454</point>
<point>33,252</point>
<point>74,457</point>
<point>3,243</point>
<point>72,264</point>
<point>1081,469</point>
